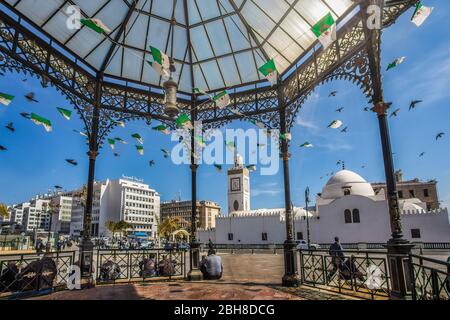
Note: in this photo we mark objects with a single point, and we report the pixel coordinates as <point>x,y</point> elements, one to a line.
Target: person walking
<point>337,257</point>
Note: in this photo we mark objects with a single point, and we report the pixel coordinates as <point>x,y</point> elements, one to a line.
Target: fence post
<point>435,284</point>
<point>412,277</point>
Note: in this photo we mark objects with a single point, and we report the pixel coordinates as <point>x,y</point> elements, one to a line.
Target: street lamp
<point>308,237</point>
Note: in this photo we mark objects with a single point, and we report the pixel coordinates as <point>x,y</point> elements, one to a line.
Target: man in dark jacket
<point>337,256</point>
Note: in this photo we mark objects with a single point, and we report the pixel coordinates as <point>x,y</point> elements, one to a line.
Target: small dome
<point>346,180</point>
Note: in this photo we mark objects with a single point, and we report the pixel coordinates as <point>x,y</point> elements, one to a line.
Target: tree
<point>120,226</point>
<point>3,211</point>
<point>167,227</point>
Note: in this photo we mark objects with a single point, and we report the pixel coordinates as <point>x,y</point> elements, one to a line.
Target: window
<point>356,218</point>
<point>400,194</point>
<point>347,191</point>
<point>264,236</point>
<point>348,216</point>
<point>230,237</point>
<point>299,235</point>
<point>412,194</point>
<point>426,193</point>
<point>415,233</point>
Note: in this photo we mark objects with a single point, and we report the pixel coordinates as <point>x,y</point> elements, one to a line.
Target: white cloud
<point>269,189</point>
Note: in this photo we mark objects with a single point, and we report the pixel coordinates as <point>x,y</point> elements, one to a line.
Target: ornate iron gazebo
<point>105,79</point>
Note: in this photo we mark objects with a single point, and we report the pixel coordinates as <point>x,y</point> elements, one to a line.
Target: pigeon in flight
<point>116,154</point>
<point>57,187</point>
<point>25,115</point>
<point>72,162</point>
<point>395,113</point>
<point>421,155</point>
<point>344,130</point>
<point>340,109</point>
<point>2,148</point>
<point>151,163</point>
<point>165,152</point>
<point>440,135</point>
<point>414,104</point>
<point>24,80</point>
<point>44,82</point>
<point>10,127</point>
<point>333,94</point>
<point>30,97</point>
<point>366,109</point>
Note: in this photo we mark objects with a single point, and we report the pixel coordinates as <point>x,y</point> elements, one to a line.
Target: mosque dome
<point>346,182</point>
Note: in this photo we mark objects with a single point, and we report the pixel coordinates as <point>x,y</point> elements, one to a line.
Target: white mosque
<point>347,207</point>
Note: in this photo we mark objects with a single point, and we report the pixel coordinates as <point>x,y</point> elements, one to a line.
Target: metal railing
<point>30,273</point>
<point>114,265</point>
<point>430,278</point>
<point>361,273</point>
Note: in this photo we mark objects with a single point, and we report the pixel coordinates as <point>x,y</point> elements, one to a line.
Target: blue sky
<point>35,162</point>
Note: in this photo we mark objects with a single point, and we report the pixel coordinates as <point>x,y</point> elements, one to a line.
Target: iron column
<point>194,253</point>
<point>290,278</point>
<point>86,245</point>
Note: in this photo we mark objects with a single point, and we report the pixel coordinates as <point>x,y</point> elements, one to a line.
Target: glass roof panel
<point>230,39</point>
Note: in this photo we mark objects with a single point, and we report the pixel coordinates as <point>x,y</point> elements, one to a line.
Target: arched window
<point>348,216</point>
<point>236,205</point>
<point>356,218</point>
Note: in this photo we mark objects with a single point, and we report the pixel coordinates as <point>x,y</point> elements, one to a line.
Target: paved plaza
<point>246,277</point>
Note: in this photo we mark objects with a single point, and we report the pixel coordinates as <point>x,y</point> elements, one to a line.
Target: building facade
<point>124,199</point>
<point>62,213</point>
<point>36,216</point>
<point>347,207</point>
<point>425,191</point>
<point>207,212</point>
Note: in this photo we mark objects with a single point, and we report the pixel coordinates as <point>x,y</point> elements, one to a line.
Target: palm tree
<point>120,226</point>
<point>168,226</point>
<point>3,211</point>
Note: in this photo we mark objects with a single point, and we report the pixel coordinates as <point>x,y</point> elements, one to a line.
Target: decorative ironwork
<point>430,278</point>
<point>31,272</point>
<point>127,265</point>
<point>362,273</point>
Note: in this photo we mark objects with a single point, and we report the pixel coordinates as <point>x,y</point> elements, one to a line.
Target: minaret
<point>238,187</point>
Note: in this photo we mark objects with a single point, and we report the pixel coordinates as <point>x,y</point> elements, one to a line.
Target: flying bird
<point>395,113</point>
<point>24,80</point>
<point>72,162</point>
<point>363,167</point>
<point>10,127</point>
<point>2,148</point>
<point>333,94</point>
<point>30,97</point>
<point>421,155</point>
<point>339,109</point>
<point>344,130</point>
<point>366,109</point>
<point>165,152</point>
<point>25,115</point>
<point>440,135</point>
<point>57,187</point>
<point>116,154</point>
<point>151,163</point>
<point>414,104</point>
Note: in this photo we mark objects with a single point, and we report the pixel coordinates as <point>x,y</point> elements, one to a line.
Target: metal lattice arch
<point>216,45</point>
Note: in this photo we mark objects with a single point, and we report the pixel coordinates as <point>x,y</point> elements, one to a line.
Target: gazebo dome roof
<point>217,44</point>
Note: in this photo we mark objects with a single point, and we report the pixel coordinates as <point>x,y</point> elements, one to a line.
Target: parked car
<point>303,245</point>
<point>183,246</point>
<point>168,246</point>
